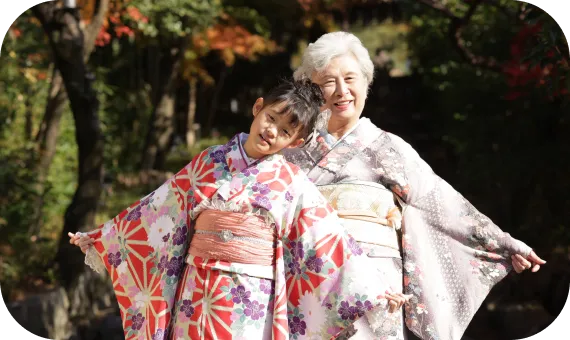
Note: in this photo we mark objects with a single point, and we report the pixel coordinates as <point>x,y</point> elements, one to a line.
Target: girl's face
<point>270,131</point>
<point>344,88</point>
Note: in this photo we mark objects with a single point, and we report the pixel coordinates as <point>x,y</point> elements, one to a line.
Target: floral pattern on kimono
<point>452,254</point>
<point>318,285</point>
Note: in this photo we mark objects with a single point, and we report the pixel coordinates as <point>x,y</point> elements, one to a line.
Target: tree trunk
<point>216,98</point>
<point>28,126</point>
<point>190,128</point>
<point>46,140</point>
<point>162,119</point>
<point>70,48</point>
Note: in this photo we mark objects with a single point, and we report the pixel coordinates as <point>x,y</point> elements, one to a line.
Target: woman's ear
<point>257,106</point>
<point>298,142</point>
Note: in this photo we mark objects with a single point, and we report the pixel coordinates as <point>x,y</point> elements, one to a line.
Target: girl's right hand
<point>81,240</point>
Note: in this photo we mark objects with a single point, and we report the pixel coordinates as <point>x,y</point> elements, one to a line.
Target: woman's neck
<point>339,128</point>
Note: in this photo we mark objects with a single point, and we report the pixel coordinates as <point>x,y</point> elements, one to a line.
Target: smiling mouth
<point>343,103</point>
<point>265,140</point>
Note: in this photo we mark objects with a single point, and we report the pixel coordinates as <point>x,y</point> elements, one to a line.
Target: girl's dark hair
<point>303,99</point>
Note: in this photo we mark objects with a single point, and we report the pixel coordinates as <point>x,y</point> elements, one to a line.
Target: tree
<point>539,52</point>
<point>169,35</point>
<point>71,46</point>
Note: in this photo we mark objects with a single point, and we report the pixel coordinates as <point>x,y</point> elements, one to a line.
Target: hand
<point>521,264</point>
<point>396,300</point>
<point>81,240</point>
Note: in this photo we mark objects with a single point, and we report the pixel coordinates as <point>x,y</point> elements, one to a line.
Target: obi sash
<point>234,237</point>
<point>368,212</point>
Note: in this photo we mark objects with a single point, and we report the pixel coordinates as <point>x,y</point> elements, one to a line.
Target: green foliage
<point>497,140</point>
<point>389,37</point>
<point>251,19</point>
<point>169,19</point>
<point>24,84</point>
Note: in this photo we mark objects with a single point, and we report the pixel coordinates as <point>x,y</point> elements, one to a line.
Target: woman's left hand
<point>521,264</point>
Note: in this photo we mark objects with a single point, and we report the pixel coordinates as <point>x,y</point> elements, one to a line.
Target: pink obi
<point>233,237</point>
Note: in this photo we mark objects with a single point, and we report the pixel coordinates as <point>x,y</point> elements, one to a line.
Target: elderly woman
<point>426,238</point>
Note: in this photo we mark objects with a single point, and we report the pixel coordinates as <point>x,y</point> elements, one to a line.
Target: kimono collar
<point>331,141</point>
<point>236,157</point>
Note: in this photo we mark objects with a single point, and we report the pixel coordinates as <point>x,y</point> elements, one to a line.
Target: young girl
<point>268,257</point>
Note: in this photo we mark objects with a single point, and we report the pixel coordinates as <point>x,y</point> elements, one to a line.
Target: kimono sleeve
<point>143,250</point>
<point>453,254</point>
<point>328,278</point>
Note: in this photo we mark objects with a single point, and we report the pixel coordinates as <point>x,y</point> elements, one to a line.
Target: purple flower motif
<point>163,263</point>
<point>266,286</point>
<point>294,267</point>
<point>187,308</point>
<point>218,156</point>
<point>297,325</point>
<point>254,310</point>
<point>174,267</point>
<point>159,335</point>
<point>363,307</point>
<point>114,259</point>
<point>240,294</point>
<point>228,147</point>
<point>288,197</point>
<point>165,237</point>
<point>137,321</point>
<point>328,305</point>
<point>354,247</point>
<point>134,214</point>
<point>261,188</point>
<point>315,264</point>
<point>345,311</point>
<point>250,171</point>
<point>147,199</point>
<point>297,249</point>
<point>180,236</point>
<point>262,202</point>
<point>354,311</point>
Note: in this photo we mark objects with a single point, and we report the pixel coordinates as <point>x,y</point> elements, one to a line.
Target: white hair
<point>329,46</point>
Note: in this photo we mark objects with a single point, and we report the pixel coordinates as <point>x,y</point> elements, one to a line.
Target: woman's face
<point>344,88</point>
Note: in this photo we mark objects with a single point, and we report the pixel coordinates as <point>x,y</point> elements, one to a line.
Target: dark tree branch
<point>92,30</point>
<point>456,27</point>
<point>440,8</point>
<point>524,10</point>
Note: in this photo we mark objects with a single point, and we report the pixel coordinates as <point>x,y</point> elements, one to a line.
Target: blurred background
<point>101,101</point>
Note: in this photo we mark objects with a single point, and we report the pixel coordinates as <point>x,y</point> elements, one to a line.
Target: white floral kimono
<point>452,255</point>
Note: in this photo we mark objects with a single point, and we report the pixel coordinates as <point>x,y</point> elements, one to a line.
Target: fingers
<point>396,300</point>
<point>393,306</point>
<point>517,267</point>
<point>85,242</point>
<point>520,263</point>
<point>525,263</point>
<point>532,262</point>
<point>72,238</point>
<point>80,240</point>
<point>534,258</point>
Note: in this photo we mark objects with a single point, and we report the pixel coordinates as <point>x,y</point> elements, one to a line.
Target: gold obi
<point>368,211</point>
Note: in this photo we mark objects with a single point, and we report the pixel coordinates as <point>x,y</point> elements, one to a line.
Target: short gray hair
<point>329,46</point>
